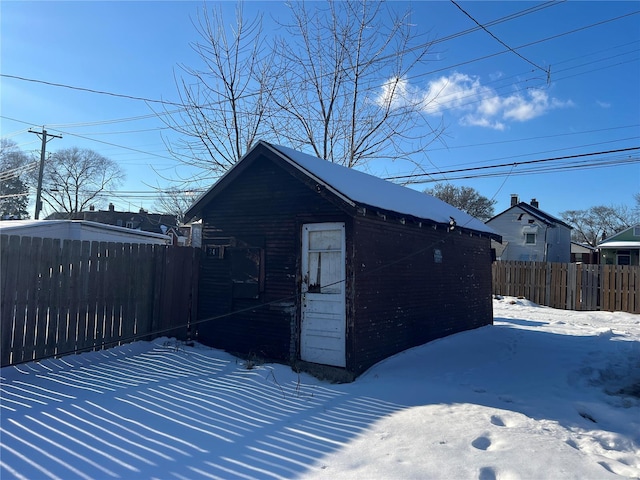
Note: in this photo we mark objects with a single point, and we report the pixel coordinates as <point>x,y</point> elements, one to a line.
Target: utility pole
<point>43,136</point>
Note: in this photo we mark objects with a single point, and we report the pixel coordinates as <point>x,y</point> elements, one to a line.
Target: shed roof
<point>358,188</point>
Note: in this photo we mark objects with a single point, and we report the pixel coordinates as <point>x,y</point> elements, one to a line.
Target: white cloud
<point>476,104</point>
<point>603,104</point>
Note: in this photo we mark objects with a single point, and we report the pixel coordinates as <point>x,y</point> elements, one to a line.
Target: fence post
<point>572,284</point>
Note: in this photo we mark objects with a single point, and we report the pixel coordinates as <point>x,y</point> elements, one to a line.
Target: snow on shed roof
<point>366,189</point>
<point>356,188</point>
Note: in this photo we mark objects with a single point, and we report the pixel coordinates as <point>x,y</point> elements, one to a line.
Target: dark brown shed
<point>309,262</point>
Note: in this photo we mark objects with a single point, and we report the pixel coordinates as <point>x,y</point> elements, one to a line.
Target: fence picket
<point>10,267</point>
<point>42,297</point>
<point>50,265</point>
<point>31,319</point>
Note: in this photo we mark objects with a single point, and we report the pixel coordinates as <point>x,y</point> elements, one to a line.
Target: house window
<point>119,223</point>
<point>129,224</point>
<point>530,238</point>
<point>636,231</point>
<point>623,257</point>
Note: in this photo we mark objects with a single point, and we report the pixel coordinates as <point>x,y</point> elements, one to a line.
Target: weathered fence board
<point>59,297</point>
<point>570,286</point>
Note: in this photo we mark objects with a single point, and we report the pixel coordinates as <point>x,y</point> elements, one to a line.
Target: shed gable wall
<point>263,208</point>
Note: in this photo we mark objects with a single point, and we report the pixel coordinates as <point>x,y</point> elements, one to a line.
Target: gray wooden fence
<point>570,286</point>
<point>59,297</point>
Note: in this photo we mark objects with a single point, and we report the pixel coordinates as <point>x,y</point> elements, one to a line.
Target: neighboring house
<point>312,263</point>
<point>79,230</point>
<point>141,220</point>
<point>622,248</point>
<point>192,232</point>
<point>581,253</point>
<point>529,234</point>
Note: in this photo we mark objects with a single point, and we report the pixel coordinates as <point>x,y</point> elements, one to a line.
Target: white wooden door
<point>322,337</point>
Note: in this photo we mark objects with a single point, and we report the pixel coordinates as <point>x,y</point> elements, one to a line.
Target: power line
<point>17,171</point>
<point>413,177</point>
<point>585,165</point>
<point>89,90</point>
<point>114,145</point>
<point>425,45</point>
<point>211,104</point>
<point>181,109</point>
<point>538,137</point>
<point>547,71</point>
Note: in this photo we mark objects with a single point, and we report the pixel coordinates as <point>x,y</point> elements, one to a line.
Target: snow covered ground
<point>543,393</point>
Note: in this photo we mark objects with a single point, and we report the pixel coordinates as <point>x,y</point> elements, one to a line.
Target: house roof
<point>74,229</point>
<point>621,245</point>
<point>536,213</point>
<point>142,220</point>
<point>577,247</point>
<point>357,189</point>
<point>622,235</point>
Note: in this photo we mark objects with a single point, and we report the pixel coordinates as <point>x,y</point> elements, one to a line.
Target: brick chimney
<point>111,207</point>
<point>514,199</point>
<point>534,203</point>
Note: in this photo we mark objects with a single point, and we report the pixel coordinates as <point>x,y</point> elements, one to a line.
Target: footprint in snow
<point>497,420</point>
<point>487,473</point>
<point>481,443</point>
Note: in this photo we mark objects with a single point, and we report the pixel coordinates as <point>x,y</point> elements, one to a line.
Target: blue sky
<point>497,105</point>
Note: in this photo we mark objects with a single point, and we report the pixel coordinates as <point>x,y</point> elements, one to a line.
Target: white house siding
<point>559,244</point>
<point>553,244</point>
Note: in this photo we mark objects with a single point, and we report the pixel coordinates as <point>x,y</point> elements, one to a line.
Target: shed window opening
<point>530,238</point>
<point>247,272</point>
<point>325,272</point>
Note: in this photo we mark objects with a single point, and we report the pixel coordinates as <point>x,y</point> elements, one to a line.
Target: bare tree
<point>334,83</point>
<point>175,201</point>
<point>343,83</point>
<point>593,225</point>
<point>226,100</point>
<point>466,199</point>
<point>75,178</point>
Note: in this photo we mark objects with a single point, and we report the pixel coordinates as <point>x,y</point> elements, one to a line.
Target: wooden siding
<point>404,297</point>
<point>264,208</point>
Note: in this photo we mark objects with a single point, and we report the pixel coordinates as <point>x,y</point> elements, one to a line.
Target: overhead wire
<point>547,70</point>
<point>177,110</point>
<point>538,170</point>
<point>18,171</point>
<point>443,39</point>
<point>414,178</point>
<point>211,104</point>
